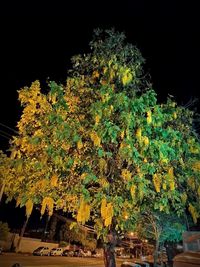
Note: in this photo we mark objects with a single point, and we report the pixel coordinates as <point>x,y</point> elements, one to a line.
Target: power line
<point>4,136</point>
<point>8,127</point>
<point>5,133</point>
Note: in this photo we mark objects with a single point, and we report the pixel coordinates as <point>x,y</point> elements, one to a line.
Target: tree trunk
<point>109,250</point>
<point>44,235</point>
<point>2,190</point>
<point>52,230</point>
<point>156,253</point>
<point>22,233</point>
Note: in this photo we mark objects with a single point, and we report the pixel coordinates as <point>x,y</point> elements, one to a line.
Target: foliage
<point>101,147</point>
<point>4,230</point>
<point>63,244</point>
<point>77,234</point>
<point>164,227</point>
<point>4,171</point>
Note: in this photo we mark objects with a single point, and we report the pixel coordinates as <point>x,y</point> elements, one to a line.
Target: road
<point>8,259</point>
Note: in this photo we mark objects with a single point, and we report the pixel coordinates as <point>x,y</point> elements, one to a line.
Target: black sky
<point>37,42</point>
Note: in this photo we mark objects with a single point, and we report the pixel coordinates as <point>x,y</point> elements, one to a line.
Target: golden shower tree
<point>101,147</point>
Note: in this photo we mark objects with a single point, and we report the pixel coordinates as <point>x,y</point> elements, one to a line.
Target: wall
<point>27,245</point>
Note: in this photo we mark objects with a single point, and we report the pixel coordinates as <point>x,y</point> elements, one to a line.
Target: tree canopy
<point>101,147</point>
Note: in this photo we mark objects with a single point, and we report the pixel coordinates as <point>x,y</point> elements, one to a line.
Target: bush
<point>4,230</point>
<point>63,244</point>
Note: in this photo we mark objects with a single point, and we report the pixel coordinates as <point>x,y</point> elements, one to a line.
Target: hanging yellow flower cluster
<point>133,191</point>
<point>106,212</point>
<point>54,180</point>
<point>102,165</point>
<point>149,118</point>
<point>83,212</point>
<point>18,201</point>
<point>145,140</point>
<point>83,175</point>
<point>95,74</point>
<point>122,134</point>
<point>171,178</point>
<point>157,182</point>
<point>126,174</point>
<point>103,182</point>
<point>126,77</point>
<point>42,185</point>
<point>196,166</point>
<point>79,144</point>
<point>29,207</point>
<point>193,212</point>
<point>175,115</point>
<point>184,198</point>
<point>138,134</point>
<point>95,138</point>
<point>164,186</point>
<point>191,182</point>
<point>97,119</point>
<point>47,203</point>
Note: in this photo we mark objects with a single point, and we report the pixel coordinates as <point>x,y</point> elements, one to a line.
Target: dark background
<point>38,40</point>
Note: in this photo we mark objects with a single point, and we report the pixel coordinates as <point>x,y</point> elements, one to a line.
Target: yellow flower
<point>95,74</point>
<point>133,191</point>
<point>83,212</point>
<point>79,144</point>
<point>149,118</point>
<point>157,182</point>
<point>126,174</point>
<point>146,140</point>
<point>54,180</point>
<point>193,212</point>
<point>122,134</point>
<point>103,208</point>
<point>97,119</point>
<point>175,115</point>
<point>95,138</point>
<point>47,203</point>
<point>164,186</point>
<point>29,207</point>
<point>139,133</point>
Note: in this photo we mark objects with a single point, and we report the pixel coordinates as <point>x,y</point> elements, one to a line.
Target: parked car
<point>68,253</point>
<point>77,253</point>
<point>135,264</point>
<point>130,264</point>
<point>96,254</point>
<point>85,253</point>
<point>42,251</point>
<point>56,252</point>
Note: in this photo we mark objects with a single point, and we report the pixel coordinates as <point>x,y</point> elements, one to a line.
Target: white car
<point>56,252</point>
<point>42,251</point>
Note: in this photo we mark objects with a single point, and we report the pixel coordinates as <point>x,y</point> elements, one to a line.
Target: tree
<point>78,234</point>
<point>4,230</point>
<point>101,147</point>
<point>160,228</point>
<point>4,171</point>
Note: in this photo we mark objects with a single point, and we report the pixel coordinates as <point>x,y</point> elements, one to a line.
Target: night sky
<point>37,42</point>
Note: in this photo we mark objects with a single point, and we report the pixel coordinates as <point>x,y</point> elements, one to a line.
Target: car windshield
<point>39,248</point>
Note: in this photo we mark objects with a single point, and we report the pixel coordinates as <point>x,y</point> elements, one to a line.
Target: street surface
<point>8,259</point>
